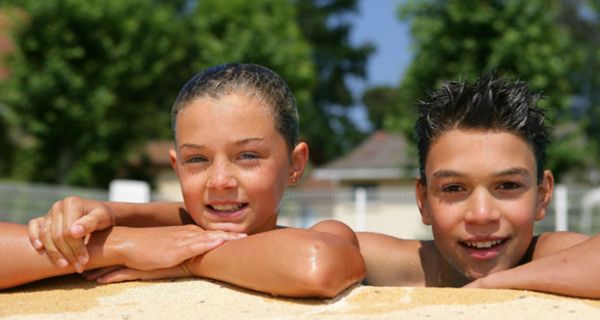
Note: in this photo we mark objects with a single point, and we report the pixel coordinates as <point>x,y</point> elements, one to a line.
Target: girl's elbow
<point>334,269</point>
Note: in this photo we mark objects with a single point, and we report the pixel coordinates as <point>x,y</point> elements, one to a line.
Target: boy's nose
<point>481,209</point>
<point>221,177</point>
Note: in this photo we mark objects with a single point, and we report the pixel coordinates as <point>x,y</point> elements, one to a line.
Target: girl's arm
<point>62,230</point>
<point>141,248</point>
<point>21,263</point>
<point>319,262</point>
<point>289,262</point>
<point>557,266</point>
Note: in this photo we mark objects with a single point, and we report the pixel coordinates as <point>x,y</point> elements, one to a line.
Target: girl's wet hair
<point>489,104</point>
<point>255,82</point>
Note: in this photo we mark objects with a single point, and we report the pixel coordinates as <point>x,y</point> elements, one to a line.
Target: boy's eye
<point>509,185</point>
<point>452,188</point>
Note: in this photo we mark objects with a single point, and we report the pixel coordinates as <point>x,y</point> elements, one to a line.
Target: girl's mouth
<point>225,209</point>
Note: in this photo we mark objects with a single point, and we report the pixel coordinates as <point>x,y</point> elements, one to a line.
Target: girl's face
<point>233,165</point>
<point>482,198</point>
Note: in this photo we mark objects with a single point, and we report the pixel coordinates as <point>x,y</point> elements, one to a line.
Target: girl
<point>236,150</point>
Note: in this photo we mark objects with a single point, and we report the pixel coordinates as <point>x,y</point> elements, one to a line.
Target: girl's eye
<point>249,156</point>
<point>196,159</point>
<point>452,188</point>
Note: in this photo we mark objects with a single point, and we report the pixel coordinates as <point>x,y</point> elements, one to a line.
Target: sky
<point>377,22</point>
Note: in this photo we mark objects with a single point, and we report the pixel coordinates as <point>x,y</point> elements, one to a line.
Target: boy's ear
<point>299,161</point>
<point>421,195</point>
<point>173,159</point>
<point>545,190</point>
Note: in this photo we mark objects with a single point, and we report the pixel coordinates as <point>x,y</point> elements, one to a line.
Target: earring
<point>293,179</point>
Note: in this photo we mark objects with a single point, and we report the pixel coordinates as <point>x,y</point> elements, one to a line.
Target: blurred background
<point>86,88</point>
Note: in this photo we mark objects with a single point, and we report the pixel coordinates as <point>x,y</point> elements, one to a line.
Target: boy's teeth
<point>482,244</point>
<point>227,207</point>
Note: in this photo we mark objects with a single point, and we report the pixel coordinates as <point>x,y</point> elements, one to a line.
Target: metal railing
<point>574,208</point>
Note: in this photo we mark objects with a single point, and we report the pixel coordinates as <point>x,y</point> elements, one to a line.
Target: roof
<point>382,156</point>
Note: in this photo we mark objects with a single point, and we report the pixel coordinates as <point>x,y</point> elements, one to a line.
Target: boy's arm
<point>288,262</point>
<point>391,261</point>
<point>558,266</point>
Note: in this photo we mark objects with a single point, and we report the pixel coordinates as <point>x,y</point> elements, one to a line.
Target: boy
<point>481,188</point>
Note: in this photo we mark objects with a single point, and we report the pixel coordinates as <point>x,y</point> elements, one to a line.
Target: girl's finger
<point>34,227</point>
<point>97,273</point>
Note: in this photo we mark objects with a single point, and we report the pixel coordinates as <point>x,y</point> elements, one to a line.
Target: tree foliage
<point>325,121</point>
<point>87,80</point>
<point>91,81</point>
<point>520,39</point>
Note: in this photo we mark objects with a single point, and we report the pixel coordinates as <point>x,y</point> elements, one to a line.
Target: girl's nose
<point>481,209</point>
<point>221,177</point>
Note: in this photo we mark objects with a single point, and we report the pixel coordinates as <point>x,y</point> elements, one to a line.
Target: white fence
<point>388,210</point>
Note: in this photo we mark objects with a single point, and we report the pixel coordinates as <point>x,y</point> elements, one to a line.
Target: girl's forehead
<point>228,115</point>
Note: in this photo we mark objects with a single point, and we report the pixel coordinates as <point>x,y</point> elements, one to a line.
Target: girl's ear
<point>421,195</point>
<point>545,190</point>
<point>173,160</point>
<point>299,161</point>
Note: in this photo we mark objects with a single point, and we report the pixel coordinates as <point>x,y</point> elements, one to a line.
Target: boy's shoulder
<point>551,242</point>
<point>394,261</point>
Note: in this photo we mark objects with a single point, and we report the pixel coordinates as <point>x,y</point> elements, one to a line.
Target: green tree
<point>89,79</point>
<point>522,39</point>
<point>325,123</point>
<point>261,31</point>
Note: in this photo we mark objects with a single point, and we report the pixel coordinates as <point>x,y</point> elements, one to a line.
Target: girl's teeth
<point>227,207</point>
<point>483,244</point>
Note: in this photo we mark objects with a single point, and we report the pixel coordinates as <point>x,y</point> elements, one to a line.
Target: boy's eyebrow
<point>447,173</point>
<point>513,171</point>
<point>508,172</point>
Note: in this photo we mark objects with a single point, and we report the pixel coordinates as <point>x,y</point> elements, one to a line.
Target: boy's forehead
<point>468,150</point>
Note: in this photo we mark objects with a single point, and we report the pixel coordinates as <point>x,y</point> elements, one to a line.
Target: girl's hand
<point>120,274</point>
<point>164,247</point>
<point>63,230</point>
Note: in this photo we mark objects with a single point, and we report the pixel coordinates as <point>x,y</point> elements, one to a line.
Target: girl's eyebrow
<point>192,146</point>
<point>250,140</point>
<point>238,142</point>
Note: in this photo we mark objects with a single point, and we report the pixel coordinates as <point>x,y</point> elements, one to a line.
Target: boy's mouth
<point>482,244</point>
<point>484,249</point>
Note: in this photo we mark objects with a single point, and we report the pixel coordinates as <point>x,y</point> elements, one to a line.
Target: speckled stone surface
<point>72,298</point>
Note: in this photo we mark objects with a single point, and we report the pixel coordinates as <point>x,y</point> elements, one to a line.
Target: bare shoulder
<point>552,242</point>
<point>337,228</point>
<point>392,261</point>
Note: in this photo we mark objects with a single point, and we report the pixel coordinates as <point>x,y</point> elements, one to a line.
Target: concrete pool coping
<point>73,298</point>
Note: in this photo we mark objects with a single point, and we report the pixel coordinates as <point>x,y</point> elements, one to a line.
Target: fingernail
<point>77,230</point>
<point>63,263</point>
<point>83,259</point>
<point>78,267</point>
<point>37,244</point>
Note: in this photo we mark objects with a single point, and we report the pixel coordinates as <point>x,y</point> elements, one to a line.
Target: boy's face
<point>233,165</point>
<point>482,198</point>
